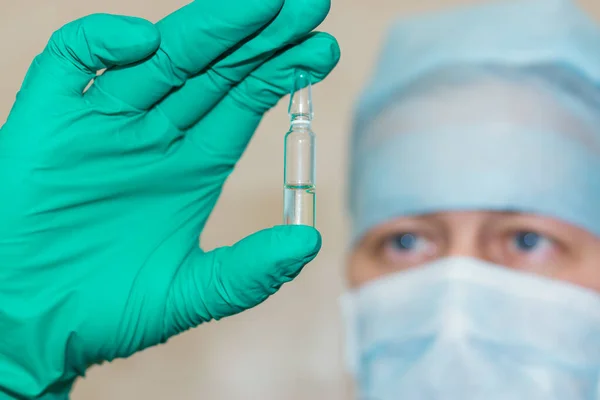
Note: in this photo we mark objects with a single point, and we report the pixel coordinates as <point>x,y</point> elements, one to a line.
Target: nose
<point>465,247</point>
<point>463,235</point>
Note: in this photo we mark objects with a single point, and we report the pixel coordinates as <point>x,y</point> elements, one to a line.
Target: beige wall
<point>290,347</point>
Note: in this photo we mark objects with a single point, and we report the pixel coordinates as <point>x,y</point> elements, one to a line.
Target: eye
<point>528,242</point>
<point>406,248</point>
<point>406,241</point>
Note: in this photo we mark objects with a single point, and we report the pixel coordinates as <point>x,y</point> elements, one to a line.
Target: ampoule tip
<point>301,96</point>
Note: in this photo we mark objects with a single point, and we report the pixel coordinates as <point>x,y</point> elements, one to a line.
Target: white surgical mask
<point>463,329</point>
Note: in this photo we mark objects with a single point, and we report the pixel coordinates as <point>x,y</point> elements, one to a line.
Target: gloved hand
<point>104,193</point>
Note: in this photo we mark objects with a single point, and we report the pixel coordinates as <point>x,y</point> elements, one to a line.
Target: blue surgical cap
<point>488,107</point>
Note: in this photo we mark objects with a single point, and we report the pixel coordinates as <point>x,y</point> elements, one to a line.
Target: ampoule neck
<point>300,121</point>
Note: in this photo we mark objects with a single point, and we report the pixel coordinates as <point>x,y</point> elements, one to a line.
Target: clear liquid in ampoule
<point>299,204</point>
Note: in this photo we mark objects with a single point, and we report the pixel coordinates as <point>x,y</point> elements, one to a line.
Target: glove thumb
<point>229,280</point>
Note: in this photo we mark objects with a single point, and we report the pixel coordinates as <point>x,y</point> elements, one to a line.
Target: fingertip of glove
<point>332,43</point>
<point>303,241</point>
<point>143,31</point>
<point>308,243</point>
<point>323,51</point>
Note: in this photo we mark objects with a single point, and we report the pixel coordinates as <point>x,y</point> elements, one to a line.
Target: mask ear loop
<point>348,310</point>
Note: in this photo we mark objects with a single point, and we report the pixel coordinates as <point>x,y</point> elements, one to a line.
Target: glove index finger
<point>192,38</point>
<point>79,49</point>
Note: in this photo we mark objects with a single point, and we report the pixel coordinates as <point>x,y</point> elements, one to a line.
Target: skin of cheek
<point>360,268</point>
<point>585,270</point>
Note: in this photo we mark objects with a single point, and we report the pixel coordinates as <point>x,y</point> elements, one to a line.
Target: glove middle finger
<point>187,105</point>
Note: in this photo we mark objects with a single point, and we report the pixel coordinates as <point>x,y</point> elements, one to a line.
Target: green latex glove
<point>104,193</point>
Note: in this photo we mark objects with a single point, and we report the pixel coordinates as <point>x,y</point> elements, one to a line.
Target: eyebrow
<point>430,219</point>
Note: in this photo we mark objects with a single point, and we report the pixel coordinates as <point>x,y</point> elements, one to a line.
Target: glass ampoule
<point>299,197</point>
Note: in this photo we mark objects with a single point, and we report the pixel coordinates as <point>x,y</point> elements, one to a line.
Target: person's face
<point>522,241</point>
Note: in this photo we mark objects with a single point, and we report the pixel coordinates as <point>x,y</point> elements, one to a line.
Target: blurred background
<point>290,347</point>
